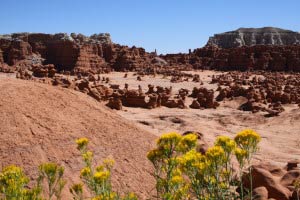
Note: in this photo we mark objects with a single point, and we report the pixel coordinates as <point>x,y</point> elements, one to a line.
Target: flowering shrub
<point>52,174</point>
<point>208,176</point>
<point>181,172</point>
<point>97,179</point>
<point>170,183</point>
<point>13,183</point>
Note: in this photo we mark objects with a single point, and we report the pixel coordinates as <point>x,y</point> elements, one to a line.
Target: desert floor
<point>280,135</point>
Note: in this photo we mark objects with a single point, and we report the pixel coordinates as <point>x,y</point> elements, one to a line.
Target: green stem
<point>251,182</point>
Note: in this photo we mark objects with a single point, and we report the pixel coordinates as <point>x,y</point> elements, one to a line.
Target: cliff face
<point>254,36</point>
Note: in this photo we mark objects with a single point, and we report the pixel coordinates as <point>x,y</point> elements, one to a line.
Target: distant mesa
<point>254,36</point>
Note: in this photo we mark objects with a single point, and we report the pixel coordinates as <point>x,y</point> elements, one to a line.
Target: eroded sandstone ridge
<point>74,52</point>
<point>254,36</point>
<point>250,49</point>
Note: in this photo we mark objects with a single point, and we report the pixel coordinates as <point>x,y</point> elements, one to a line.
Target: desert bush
<point>170,183</point>
<point>51,174</point>
<point>96,179</point>
<point>13,184</point>
<point>181,172</point>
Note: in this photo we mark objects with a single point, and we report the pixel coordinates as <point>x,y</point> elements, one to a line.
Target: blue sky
<point>169,26</point>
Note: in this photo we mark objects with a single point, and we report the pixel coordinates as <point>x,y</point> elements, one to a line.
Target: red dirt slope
<point>39,123</point>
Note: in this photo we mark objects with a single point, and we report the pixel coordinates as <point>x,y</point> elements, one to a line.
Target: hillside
<point>39,123</point>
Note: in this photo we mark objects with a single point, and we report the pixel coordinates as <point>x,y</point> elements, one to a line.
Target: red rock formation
<point>260,57</point>
<point>97,53</point>
<point>1,57</point>
<point>65,52</point>
<point>271,181</point>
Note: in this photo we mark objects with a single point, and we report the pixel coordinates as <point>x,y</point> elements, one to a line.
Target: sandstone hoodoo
<point>254,36</point>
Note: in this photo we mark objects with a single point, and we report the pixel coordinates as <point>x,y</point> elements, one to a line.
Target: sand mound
<point>39,123</point>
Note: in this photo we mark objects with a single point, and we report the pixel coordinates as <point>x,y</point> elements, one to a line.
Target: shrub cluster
<point>181,172</point>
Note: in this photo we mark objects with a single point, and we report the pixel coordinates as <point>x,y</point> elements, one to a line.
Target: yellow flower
<point>187,142</point>
<point>100,168</point>
<point>87,156</point>
<point>223,185</point>
<point>248,140</point>
<point>190,157</point>
<point>154,155</point>
<point>215,152</point>
<point>226,143</point>
<point>81,143</point>
<point>12,175</point>
<point>99,177</point>
<point>216,155</point>
<point>169,138</point>
<point>110,196</point>
<point>176,180</point>
<point>109,162</point>
<point>241,155</point>
<point>85,172</point>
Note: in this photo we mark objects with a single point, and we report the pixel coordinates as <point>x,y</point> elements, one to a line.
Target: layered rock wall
<point>254,36</point>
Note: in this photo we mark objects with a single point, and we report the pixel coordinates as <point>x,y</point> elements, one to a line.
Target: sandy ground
<point>280,135</point>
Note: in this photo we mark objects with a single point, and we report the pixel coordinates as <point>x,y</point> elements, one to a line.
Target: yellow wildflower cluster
<point>169,141</point>
<point>101,176</point>
<point>108,163</point>
<point>192,157</point>
<point>240,155</point>
<point>171,137</point>
<point>216,154</point>
<point>97,179</point>
<point>154,154</point>
<point>84,172</point>
<point>81,143</point>
<point>51,168</point>
<point>210,176</point>
<point>226,143</point>
<point>187,142</point>
<point>87,156</point>
<point>166,159</point>
<point>247,138</point>
<point>110,196</point>
<point>12,182</point>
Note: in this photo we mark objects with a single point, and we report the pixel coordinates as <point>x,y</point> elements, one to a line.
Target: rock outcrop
<point>254,36</point>
<point>259,57</point>
<point>74,52</point>
<point>245,49</point>
<point>271,181</point>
